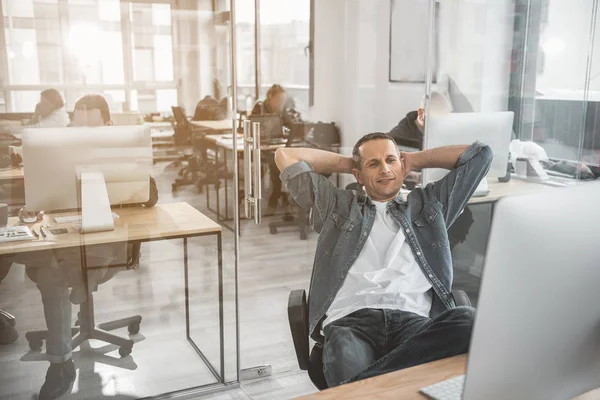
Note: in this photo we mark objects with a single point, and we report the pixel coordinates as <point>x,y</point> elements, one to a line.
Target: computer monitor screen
<point>53,159</point>
<point>537,329</point>
<point>271,126</point>
<point>493,129</point>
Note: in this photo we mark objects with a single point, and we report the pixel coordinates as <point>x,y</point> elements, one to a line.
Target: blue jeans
<point>372,342</point>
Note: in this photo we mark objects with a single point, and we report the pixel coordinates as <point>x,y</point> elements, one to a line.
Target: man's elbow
<point>487,154</point>
<point>281,159</point>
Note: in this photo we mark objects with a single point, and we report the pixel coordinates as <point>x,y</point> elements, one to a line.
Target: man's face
<point>88,117</point>
<point>381,171</point>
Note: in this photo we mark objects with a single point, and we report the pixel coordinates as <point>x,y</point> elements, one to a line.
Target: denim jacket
<point>344,220</point>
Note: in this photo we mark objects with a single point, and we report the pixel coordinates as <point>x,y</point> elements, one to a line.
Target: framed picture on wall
<point>408,52</point>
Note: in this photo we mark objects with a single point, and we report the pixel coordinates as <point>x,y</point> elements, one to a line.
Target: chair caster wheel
<point>35,345</point>
<point>125,351</point>
<point>173,188</point>
<point>303,236</point>
<point>273,230</point>
<point>133,329</point>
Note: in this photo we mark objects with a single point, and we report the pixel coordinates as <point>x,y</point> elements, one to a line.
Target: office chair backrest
<point>209,109</point>
<point>179,115</point>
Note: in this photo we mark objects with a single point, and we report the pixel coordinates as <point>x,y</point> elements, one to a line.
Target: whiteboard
<point>409,20</point>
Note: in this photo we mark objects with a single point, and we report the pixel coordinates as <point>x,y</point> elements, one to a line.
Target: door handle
<point>252,171</point>
<point>247,168</point>
<point>257,193</point>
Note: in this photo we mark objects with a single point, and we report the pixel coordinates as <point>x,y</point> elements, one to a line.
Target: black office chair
<point>88,329</point>
<point>312,361</point>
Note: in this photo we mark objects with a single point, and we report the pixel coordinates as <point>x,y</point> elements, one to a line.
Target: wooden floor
<point>162,360</point>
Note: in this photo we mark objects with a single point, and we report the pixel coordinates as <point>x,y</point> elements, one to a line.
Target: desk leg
<point>217,185</point>
<point>226,180</point>
<point>186,289</point>
<point>221,377</point>
<point>221,319</point>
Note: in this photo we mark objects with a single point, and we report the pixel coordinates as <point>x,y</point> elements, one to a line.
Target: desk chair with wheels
<point>312,361</point>
<point>87,327</point>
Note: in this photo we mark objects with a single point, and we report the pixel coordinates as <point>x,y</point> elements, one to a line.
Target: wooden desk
<point>225,125</point>
<point>11,175</point>
<point>405,384</point>
<point>513,187</point>
<point>226,142</point>
<point>140,224</point>
<point>499,190</point>
<point>10,122</point>
<point>161,222</point>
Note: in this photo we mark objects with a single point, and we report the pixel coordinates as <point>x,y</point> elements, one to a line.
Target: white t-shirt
<point>385,274</point>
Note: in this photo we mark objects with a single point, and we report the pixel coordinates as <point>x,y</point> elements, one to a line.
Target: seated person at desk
<point>409,131</point>
<point>383,265</point>
<point>274,104</point>
<point>49,113</point>
<point>56,271</point>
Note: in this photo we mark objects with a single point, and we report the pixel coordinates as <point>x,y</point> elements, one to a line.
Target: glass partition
<point>142,302</point>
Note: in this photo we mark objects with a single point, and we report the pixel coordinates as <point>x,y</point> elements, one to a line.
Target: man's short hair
<point>438,103</point>
<point>54,97</point>
<point>94,102</point>
<point>367,138</point>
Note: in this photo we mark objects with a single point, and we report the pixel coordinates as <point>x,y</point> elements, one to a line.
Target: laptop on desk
<point>271,128</point>
<point>537,328</point>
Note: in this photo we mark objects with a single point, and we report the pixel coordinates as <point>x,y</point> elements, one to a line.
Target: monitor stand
<point>96,215</point>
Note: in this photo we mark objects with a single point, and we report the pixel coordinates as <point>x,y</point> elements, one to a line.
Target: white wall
<point>352,84</point>
<point>475,49</point>
<point>195,47</point>
<point>565,40</point>
<point>352,68</point>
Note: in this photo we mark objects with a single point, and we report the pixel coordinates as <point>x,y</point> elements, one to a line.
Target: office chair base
<point>36,338</point>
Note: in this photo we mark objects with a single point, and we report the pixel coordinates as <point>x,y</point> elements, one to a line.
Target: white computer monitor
<point>493,129</point>
<point>88,169</point>
<point>537,329</point>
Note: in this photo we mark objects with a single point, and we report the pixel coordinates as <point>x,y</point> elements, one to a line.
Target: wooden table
<point>513,187</point>
<point>225,125</point>
<point>405,384</point>
<point>499,190</point>
<point>9,175</point>
<point>225,142</point>
<point>140,224</point>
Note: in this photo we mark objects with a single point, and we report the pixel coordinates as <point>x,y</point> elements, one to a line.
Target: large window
<point>558,58</point>
<point>119,48</point>
<point>284,37</point>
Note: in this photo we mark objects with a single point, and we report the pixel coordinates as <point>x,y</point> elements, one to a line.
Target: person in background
<point>57,273</point>
<point>50,112</point>
<point>275,104</point>
<point>409,131</point>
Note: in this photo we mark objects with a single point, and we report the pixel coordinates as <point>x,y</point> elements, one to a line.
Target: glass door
<point>275,246</point>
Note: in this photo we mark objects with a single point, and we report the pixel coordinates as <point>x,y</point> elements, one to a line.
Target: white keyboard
<point>70,219</point>
<point>15,233</point>
<point>450,389</point>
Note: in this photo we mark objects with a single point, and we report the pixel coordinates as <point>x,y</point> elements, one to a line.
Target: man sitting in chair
<point>57,271</point>
<point>380,292</point>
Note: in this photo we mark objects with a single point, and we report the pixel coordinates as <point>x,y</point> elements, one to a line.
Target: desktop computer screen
<point>492,129</point>
<point>271,126</point>
<point>116,159</point>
